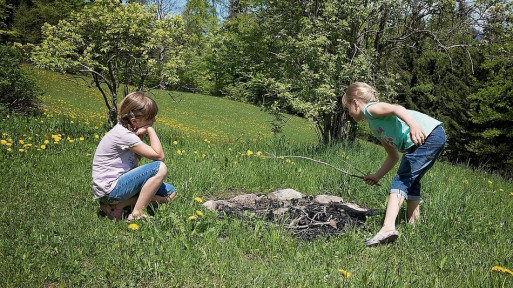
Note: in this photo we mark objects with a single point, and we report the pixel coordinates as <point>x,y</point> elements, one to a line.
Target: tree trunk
<point>113,111</point>
<point>336,127</point>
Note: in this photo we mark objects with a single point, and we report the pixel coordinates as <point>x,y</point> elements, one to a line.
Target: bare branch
<point>272,156</point>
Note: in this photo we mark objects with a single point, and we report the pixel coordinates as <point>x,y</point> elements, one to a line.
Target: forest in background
<point>449,59</point>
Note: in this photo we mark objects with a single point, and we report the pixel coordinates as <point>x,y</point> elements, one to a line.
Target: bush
<point>18,91</point>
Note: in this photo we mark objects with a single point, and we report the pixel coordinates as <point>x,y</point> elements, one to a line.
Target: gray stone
<point>246,200</point>
<point>326,199</point>
<point>284,195</point>
<point>210,205</point>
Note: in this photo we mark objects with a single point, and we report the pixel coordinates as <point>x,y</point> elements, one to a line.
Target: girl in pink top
<point>118,181</point>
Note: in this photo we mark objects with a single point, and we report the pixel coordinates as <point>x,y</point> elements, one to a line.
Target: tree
<point>4,14</point>
<point>490,110</point>
<point>307,54</point>
<point>117,45</point>
<point>311,50</point>
<point>200,22</point>
<point>29,17</point>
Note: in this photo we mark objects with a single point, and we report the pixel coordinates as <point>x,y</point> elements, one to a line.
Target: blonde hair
<point>137,105</point>
<point>361,91</point>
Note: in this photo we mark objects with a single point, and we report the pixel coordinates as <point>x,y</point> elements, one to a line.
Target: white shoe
<point>382,238</point>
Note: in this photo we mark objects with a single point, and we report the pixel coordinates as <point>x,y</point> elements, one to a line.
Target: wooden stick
<point>321,162</point>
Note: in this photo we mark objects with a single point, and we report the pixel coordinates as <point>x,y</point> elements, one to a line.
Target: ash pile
<point>307,217</point>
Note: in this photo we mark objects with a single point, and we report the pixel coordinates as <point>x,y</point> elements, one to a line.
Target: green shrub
<point>18,91</point>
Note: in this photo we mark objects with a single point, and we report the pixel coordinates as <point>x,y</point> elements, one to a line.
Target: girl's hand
<point>141,131</point>
<point>371,179</point>
<point>417,134</point>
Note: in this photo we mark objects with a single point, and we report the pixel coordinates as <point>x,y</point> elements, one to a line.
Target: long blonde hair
<point>137,105</point>
<point>361,91</point>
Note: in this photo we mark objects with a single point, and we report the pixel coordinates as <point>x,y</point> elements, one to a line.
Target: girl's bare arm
<point>417,134</point>
<point>388,164</point>
<point>153,151</point>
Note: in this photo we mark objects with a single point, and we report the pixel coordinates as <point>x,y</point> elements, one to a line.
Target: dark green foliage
<point>491,114</point>
<point>439,85</point>
<point>25,21</point>
<point>18,92</point>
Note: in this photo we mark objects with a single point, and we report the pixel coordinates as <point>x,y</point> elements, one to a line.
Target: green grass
<point>51,233</point>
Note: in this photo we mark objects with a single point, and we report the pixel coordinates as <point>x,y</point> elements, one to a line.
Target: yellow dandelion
<point>501,190</point>
<point>490,182</point>
<point>9,149</point>
<point>203,155</point>
<point>249,153</point>
<point>22,142</point>
<point>46,142</point>
<point>96,136</point>
<point>175,142</point>
<point>81,138</point>
<point>344,273</point>
<point>3,142</point>
<point>199,213</point>
<point>259,153</point>
<point>133,226</point>
<point>21,150</point>
<point>71,140</point>
<point>57,137</point>
<point>43,146</point>
<point>192,218</point>
<point>502,269</point>
<point>198,199</point>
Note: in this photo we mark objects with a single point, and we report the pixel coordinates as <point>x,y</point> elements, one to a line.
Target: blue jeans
<point>130,184</point>
<point>416,161</point>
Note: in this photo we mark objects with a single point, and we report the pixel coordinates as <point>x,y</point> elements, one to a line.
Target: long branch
<point>320,162</point>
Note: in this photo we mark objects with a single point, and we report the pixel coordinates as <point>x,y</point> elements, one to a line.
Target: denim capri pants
<point>130,184</point>
<point>416,161</point>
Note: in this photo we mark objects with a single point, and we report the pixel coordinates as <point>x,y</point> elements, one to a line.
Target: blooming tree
<point>117,45</point>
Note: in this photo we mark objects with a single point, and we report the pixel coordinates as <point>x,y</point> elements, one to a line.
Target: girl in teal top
<point>420,137</point>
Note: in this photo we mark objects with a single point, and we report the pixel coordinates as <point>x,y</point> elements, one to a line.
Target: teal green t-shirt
<point>395,131</point>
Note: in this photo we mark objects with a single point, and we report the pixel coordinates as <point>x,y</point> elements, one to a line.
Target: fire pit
<point>307,217</point>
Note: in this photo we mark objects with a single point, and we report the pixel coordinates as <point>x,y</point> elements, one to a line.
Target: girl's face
<point>354,108</point>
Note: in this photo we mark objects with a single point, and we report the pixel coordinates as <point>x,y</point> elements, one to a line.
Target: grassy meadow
<point>52,233</point>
